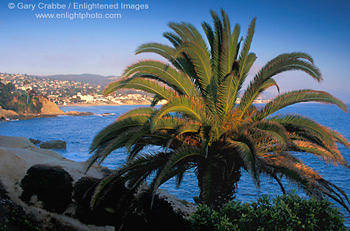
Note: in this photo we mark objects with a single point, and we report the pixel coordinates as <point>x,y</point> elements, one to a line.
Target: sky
<point>30,45</point>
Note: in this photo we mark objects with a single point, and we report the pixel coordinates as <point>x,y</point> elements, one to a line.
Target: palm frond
<point>235,44</point>
<point>162,72</point>
<point>249,63</point>
<point>306,128</point>
<point>188,32</point>
<point>245,59</point>
<point>115,129</point>
<point>135,171</point>
<point>185,154</point>
<point>145,85</point>
<point>173,38</point>
<point>306,178</point>
<point>227,53</point>
<point>165,51</point>
<point>169,123</point>
<point>298,96</point>
<point>282,63</point>
<point>201,61</point>
<point>329,156</point>
<point>276,132</point>
<point>141,111</point>
<point>226,97</point>
<point>189,107</point>
<point>216,49</point>
<point>244,145</point>
<point>245,49</point>
<point>340,138</point>
<point>209,33</point>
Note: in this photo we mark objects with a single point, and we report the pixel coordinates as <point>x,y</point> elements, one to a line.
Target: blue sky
<point>106,46</point>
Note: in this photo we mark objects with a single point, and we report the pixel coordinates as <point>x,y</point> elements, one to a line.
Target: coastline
<point>32,116</point>
<point>42,189</point>
<point>95,104</point>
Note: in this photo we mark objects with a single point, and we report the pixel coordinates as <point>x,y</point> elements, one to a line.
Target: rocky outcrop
<point>78,113</point>
<point>18,155</point>
<point>50,185</point>
<point>182,207</point>
<point>34,141</point>
<point>7,113</point>
<point>57,194</point>
<point>49,107</point>
<point>13,216</point>
<point>130,210</point>
<point>54,144</point>
<point>109,211</point>
<point>154,214</point>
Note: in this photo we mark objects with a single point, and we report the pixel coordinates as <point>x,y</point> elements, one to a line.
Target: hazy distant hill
<point>84,78</point>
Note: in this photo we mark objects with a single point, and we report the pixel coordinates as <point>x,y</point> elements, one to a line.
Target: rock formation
<point>7,113</point>
<point>34,141</point>
<point>54,193</point>
<point>54,144</point>
<point>49,107</point>
<point>51,185</point>
<point>17,155</point>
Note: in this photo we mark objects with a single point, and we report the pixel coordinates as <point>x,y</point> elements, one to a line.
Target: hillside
<point>84,78</point>
<point>6,113</point>
<point>48,107</point>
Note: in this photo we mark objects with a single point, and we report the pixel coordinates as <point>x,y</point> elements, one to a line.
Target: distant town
<point>70,92</point>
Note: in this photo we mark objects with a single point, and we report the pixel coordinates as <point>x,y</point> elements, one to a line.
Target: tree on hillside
<point>25,83</point>
<point>203,128</point>
<point>5,94</point>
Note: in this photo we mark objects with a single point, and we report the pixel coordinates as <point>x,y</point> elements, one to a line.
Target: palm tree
<point>25,83</point>
<point>203,128</point>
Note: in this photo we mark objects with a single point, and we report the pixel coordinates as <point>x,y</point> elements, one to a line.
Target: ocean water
<point>78,132</point>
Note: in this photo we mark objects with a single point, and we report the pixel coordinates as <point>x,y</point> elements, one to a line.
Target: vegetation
<point>20,103</point>
<point>287,212</point>
<point>203,128</point>
<point>5,93</point>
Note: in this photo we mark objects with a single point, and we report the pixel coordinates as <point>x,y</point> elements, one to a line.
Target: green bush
<point>287,212</point>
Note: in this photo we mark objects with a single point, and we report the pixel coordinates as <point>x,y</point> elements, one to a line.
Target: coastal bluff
<point>17,155</point>
<point>42,190</point>
<point>7,113</point>
<point>49,107</point>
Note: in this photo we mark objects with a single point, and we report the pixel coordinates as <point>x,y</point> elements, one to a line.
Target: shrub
<point>287,212</point>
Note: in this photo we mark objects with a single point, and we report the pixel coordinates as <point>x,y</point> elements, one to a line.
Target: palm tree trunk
<point>217,185</point>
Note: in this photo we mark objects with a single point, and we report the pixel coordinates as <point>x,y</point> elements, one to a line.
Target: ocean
<point>78,132</point>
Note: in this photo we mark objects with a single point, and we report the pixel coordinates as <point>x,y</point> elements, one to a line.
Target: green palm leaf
<point>245,49</point>
<point>177,157</point>
<point>299,96</point>
<point>201,61</point>
<point>149,86</point>
<point>190,107</point>
<point>163,73</point>
<point>282,63</point>
<point>246,150</point>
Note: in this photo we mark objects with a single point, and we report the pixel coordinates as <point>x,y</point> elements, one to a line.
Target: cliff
<point>7,113</point>
<point>48,107</point>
